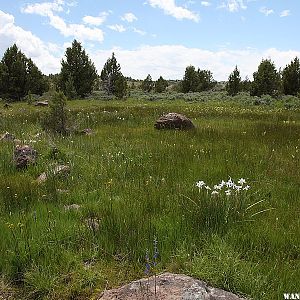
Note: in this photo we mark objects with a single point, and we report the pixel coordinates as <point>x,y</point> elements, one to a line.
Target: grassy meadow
<point>136,184</point>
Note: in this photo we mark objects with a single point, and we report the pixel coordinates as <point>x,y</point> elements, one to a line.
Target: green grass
<point>139,183</point>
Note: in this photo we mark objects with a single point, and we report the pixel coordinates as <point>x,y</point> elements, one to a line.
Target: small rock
<point>71,207</point>
<point>24,156</point>
<point>92,223</point>
<point>7,137</point>
<point>168,286</point>
<point>86,131</point>
<point>41,103</point>
<point>57,171</point>
<point>174,121</point>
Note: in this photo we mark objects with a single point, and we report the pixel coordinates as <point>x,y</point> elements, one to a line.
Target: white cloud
<point>170,61</point>
<point>47,56</point>
<point>141,32</point>
<point>205,3</point>
<point>285,13</point>
<point>96,21</point>
<point>233,5</point>
<point>129,17</point>
<point>78,31</point>
<point>44,9</point>
<point>266,11</point>
<point>117,27</point>
<point>170,8</point>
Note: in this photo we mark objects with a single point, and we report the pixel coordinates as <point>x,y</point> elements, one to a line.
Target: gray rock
<point>24,156</point>
<point>71,207</point>
<point>7,137</point>
<point>168,286</point>
<point>57,171</point>
<point>174,121</point>
<point>41,103</point>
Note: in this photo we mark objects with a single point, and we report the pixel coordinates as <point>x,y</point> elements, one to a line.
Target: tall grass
<point>137,183</point>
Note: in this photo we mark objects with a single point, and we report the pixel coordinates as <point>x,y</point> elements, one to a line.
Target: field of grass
<point>137,184</point>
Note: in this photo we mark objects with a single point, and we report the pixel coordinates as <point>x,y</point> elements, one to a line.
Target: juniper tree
<point>161,85</point>
<point>78,69</point>
<point>266,81</point>
<point>233,85</point>
<point>19,75</point>
<point>113,80</point>
<point>147,84</point>
<point>291,78</point>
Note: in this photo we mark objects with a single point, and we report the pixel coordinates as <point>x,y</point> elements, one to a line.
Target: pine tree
<point>161,85</point>
<point>147,84</point>
<point>19,75</point>
<point>190,80</point>
<point>233,86</point>
<point>36,81</point>
<point>113,80</point>
<point>291,78</point>
<point>79,68</point>
<point>266,81</point>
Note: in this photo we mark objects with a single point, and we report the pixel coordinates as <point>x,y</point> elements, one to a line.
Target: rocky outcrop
<point>174,121</point>
<point>24,156</point>
<point>168,286</point>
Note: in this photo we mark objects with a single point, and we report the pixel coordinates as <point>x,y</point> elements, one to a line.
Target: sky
<point>156,37</point>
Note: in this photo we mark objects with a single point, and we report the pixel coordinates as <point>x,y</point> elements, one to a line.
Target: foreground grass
<point>138,184</point>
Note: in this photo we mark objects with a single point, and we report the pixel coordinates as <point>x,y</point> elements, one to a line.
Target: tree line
<point>78,77</point>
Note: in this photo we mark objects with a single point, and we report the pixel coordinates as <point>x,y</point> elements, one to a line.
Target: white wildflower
<point>214,193</point>
<point>228,192</point>
<point>242,181</point>
<point>246,188</point>
<point>200,184</point>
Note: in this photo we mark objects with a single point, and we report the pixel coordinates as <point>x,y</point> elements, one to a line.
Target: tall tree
<point>266,81</point>
<point>78,69</point>
<point>291,78</point>
<point>19,75</point>
<point>233,85</point>
<point>113,80</point>
<point>147,84</point>
<point>190,80</point>
<point>161,85</point>
<point>36,81</point>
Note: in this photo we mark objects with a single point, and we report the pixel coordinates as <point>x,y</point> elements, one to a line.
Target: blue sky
<point>160,37</point>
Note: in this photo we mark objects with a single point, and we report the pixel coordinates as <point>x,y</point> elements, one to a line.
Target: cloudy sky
<point>160,37</point>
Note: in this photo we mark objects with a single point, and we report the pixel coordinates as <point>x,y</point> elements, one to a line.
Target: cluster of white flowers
<point>228,187</point>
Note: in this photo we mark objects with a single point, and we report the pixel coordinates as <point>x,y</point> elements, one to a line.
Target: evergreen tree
<point>233,85</point>
<point>161,85</point>
<point>197,81</point>
<point>19,75</point>
<point>147,84</point>
<point>190,80</point>
<point>121,86</point>
<point>291,78</point>
<point>205,80</point>
<point>36,81</point>
<point>78,68</point>
<point>266,81</point>
<point>114,81</point>
<point>70,88</point>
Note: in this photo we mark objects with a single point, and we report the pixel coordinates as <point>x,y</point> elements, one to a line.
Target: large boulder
<point>174,121</point>
<point>168,286</point>
<point>24,156</point>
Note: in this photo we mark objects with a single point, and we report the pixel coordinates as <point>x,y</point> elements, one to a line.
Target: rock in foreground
<point>168,287</point>
<point>24,156</point>
<point>174,121</point>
